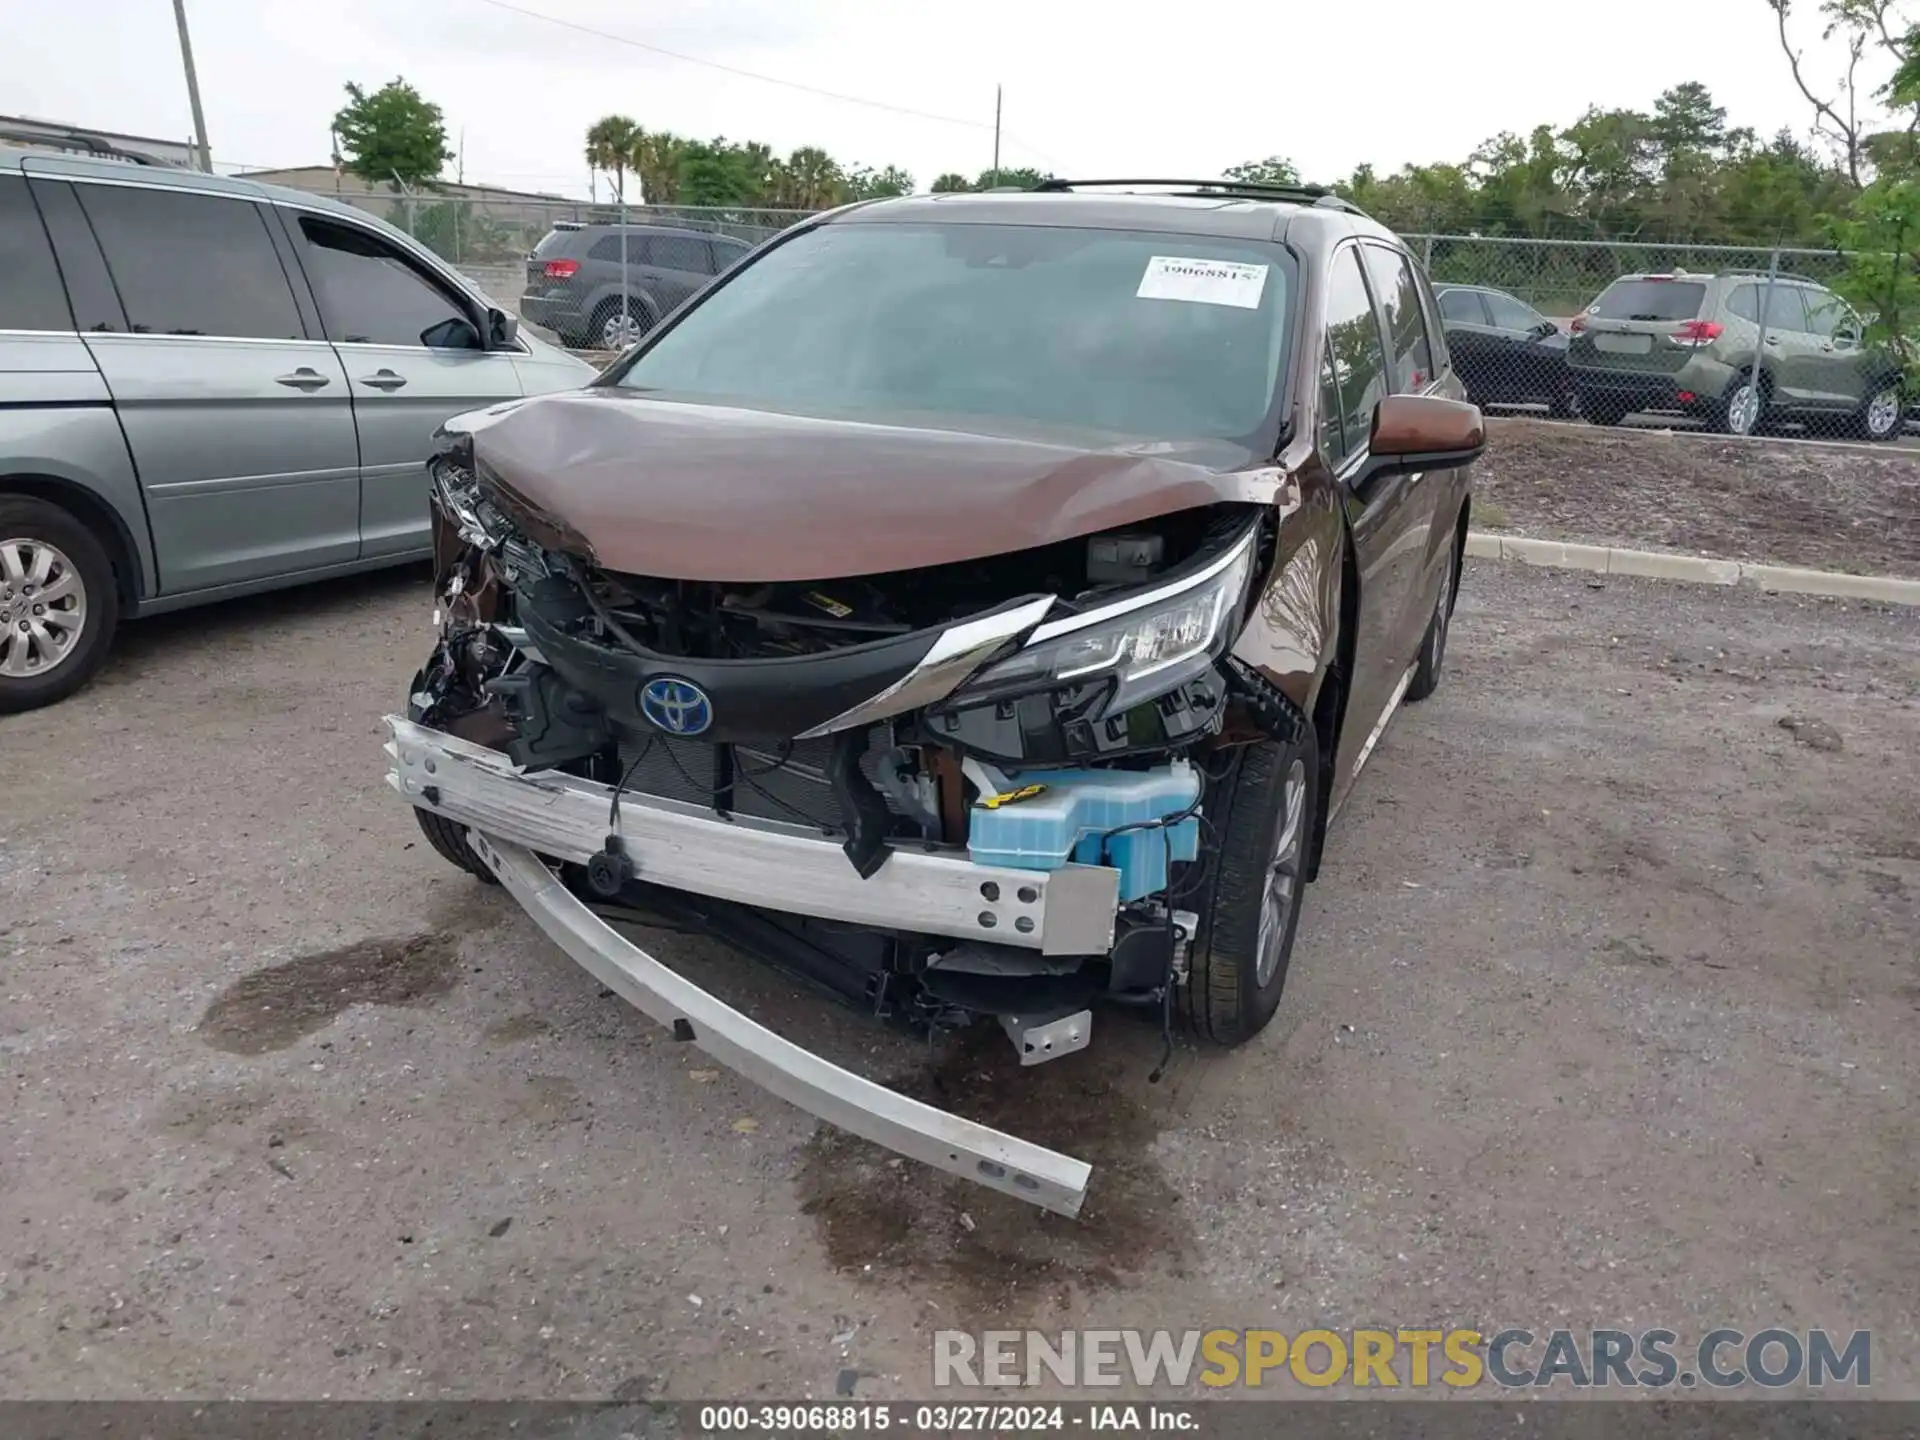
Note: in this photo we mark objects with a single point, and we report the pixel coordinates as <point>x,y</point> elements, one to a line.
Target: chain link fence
<point>1736,339</point>
<point>1739,339</point>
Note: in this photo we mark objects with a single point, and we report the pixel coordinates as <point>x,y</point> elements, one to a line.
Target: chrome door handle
<point>383,379</point>
<point>1773,339</point>
<point>305,378</point>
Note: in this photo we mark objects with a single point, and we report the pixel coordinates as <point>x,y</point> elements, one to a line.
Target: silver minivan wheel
<point>1883,412</point>
<point>43,607</point>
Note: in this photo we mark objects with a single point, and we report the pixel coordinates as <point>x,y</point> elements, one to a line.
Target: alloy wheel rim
<point>1283,873</point>
<point>620,331</point>
<point>43,608</point>
<point>1883,412</point>
<point>1743,411</point>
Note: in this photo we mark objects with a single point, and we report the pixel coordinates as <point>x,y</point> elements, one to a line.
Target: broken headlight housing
<point>1148,643</point>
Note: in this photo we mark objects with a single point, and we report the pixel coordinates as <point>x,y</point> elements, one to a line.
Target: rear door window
<point>188,264</point>
<point>607,247</point>
<point>1650,300</point>
<point>31,296</point>
<point>1463,307</point>
<point>1392,278</point>
<point>682,252</point>
<point>1785,310</point>
<point>369,294</point>
<point>1361,375</point>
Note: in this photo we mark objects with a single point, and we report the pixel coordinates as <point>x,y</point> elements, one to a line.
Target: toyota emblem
<point>678,707</point>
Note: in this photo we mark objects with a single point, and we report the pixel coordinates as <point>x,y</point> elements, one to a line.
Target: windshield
<point>1168,337</point>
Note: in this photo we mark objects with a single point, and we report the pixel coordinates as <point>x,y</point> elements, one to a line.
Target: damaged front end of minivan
<point>972,788</point>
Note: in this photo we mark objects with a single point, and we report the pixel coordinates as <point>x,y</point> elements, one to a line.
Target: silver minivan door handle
<point>383,379</point>
<point>305,378</point>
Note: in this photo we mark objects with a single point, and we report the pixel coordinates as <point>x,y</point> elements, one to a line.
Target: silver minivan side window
<point>192,264</point>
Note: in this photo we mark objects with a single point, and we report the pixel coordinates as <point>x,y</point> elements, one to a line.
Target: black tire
<point>1869,427</point>
<point>26,525</point>
<point>1603,412</point>
<point>1564,407</point>
<point>449,839</point>
<point>1225,999</point>
<point>1433,645</point>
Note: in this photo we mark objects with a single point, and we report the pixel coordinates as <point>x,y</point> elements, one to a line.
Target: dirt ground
<point>1602,1014</point>
<point>1853,508</point>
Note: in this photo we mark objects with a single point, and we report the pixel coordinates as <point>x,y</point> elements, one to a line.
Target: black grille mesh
<point>794,790</point>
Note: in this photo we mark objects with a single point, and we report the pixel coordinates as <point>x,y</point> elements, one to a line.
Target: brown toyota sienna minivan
<point>979,604</point>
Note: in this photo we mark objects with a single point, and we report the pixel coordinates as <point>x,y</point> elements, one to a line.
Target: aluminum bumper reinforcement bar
<point>768,863</point>
<point>947,1142</point>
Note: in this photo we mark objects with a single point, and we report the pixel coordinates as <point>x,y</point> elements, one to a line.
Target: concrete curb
<point>1697,569</point>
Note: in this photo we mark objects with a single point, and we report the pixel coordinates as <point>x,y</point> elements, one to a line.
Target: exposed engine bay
<point>1049,708</point>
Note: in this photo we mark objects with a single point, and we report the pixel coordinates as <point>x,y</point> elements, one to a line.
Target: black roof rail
<point>1746,274</point>
<point>1247,189</point>
<point>75,138</point>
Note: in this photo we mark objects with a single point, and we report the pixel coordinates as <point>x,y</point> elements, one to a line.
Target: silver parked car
<point>209,388</point>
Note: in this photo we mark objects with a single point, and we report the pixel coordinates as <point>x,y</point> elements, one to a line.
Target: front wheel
<point>58,604</point>
<point>1603,412</point>
<point>1261,812</point>
<point>1433,646</point>
<point>449,841</point>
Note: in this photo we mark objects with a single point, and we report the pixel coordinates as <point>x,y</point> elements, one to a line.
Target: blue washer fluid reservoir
<point>1072,814</point>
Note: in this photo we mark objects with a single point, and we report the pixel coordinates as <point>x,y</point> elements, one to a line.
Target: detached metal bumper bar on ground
<point>517,818</point>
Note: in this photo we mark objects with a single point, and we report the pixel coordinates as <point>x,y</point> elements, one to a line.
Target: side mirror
<point>1846,337</point>
<point>1545,327</point>
<point>1413,433</point>
<point>502,326</point>
<point>454,333</point>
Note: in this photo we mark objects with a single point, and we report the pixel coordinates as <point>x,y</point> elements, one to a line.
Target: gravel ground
<point>1853,508</point>
<point>1603,1014</point>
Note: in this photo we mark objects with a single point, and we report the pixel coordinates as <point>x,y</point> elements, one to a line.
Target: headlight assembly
<point>1149,643</point>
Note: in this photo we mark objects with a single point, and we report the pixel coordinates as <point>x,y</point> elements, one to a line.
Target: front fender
<point>1293,629</point>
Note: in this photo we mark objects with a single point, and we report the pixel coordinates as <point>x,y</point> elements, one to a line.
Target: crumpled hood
<point>704,492</point>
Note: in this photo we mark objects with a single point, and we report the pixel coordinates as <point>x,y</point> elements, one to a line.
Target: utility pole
<point>996,132</point>
<point>193,85</point>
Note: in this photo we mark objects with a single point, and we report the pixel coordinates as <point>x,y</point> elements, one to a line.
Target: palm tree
<point>951,183</point>
<point>610,141</point>
<point>657,157</point>
<point>813,178</point>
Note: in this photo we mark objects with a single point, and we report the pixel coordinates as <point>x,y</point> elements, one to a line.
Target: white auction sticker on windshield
<point>1203,282</point>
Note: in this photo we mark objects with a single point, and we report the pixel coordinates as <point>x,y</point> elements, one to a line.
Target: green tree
<point>951,182</point>
<point>394,133</point>
<point>610,145</point>
<point>865,183</point>
<point>658,158</point>
<point>1881,238</point>
<point>1018,177</point>
<point>1274,170</point>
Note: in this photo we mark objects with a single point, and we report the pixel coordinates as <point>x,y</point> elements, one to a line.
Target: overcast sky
<point>1145,89</point>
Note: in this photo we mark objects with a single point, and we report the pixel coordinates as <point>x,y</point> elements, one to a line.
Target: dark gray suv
<point>573,279</point>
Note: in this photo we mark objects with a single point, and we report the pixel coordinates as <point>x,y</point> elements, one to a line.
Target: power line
<point>736,70</point>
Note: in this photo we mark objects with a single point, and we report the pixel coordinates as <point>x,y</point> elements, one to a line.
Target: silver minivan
<point>211,387</point>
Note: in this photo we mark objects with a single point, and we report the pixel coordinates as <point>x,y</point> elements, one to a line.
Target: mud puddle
<point>888,1219</point>
<point>271,1008</point>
